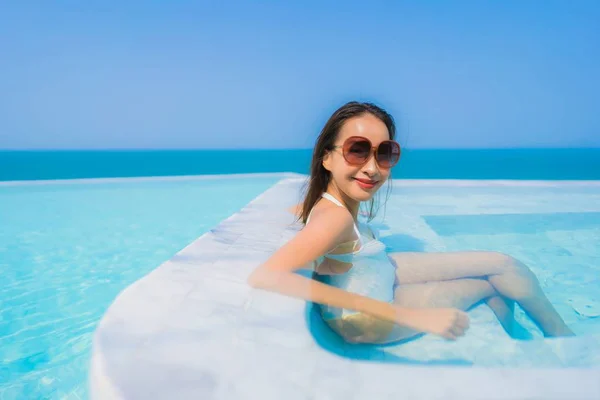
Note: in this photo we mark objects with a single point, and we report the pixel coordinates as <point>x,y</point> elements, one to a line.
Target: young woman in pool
<point>365,294</point>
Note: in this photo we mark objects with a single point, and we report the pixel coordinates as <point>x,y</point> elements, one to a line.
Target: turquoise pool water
<point>67,250</point>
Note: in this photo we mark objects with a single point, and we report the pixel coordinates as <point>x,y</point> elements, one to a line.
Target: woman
<point>369,296</point>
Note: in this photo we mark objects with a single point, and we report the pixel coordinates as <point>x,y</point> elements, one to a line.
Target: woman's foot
<point>560,331</point>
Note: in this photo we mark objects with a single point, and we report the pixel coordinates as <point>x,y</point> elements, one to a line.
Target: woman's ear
<point>327,161</point>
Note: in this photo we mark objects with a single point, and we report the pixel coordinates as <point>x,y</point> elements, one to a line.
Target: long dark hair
<point>319,176</point>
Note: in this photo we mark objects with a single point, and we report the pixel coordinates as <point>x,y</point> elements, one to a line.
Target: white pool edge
<point>173,178</point>
<point>283,175</point>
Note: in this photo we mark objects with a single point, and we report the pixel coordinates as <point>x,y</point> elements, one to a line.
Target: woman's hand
<point>449,323</point>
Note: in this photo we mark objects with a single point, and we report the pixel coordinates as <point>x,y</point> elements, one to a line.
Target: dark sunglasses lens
<point>388,154</point>
<point>358,151</point>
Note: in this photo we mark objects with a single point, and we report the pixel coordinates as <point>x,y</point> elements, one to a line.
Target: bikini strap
<point>332,199</point>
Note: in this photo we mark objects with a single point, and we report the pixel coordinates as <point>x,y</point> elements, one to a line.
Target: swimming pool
<point>209,335</point>
<point>70,248</point>
<point>67,248</point>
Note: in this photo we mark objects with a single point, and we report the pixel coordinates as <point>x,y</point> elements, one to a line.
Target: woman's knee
<point>516,277</point>
<point>509,263</point>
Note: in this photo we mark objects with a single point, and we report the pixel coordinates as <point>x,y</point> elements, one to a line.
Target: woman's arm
<point>327,229</point>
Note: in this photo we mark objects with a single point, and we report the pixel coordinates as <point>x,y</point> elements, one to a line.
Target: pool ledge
<point>192,328</point>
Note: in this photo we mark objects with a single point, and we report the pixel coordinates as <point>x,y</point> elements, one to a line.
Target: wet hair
<point>319,176</point>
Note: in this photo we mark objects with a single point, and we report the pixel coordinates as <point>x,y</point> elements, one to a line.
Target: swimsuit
<point>371,274</point>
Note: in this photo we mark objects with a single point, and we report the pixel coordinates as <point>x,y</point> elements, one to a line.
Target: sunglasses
<point>357,150</point>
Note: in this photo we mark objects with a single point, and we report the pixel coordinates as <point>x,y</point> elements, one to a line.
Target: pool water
<point>68,249</point>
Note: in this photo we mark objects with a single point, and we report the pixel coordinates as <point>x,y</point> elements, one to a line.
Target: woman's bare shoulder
<point>328,227</point>
<point>326,219</point>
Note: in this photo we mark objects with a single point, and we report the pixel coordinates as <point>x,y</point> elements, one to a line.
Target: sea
<point>519,164</point>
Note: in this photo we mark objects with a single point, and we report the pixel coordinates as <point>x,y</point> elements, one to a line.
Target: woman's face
<point>358,182</point>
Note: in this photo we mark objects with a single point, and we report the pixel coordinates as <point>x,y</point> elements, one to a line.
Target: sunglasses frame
<point>372,152</point>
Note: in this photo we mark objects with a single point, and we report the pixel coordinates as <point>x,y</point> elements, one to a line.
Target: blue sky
<point>455,74</point>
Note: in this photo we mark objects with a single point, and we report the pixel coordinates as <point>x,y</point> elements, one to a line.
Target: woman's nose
<point>371,167</point>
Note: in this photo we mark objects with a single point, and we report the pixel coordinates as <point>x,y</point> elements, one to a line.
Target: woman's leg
<point>505,311</point>
<point>459,293</point>
<point>509,277</point>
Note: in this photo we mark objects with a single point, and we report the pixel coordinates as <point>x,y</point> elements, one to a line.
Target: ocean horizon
<point>519,164</point>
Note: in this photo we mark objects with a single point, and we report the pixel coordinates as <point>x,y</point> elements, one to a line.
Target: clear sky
<point>249,74</point>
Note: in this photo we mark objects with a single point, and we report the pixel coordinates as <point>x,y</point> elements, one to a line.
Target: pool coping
<point>132,328</point>
<point>165,178</point>
<point>284,174</point>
